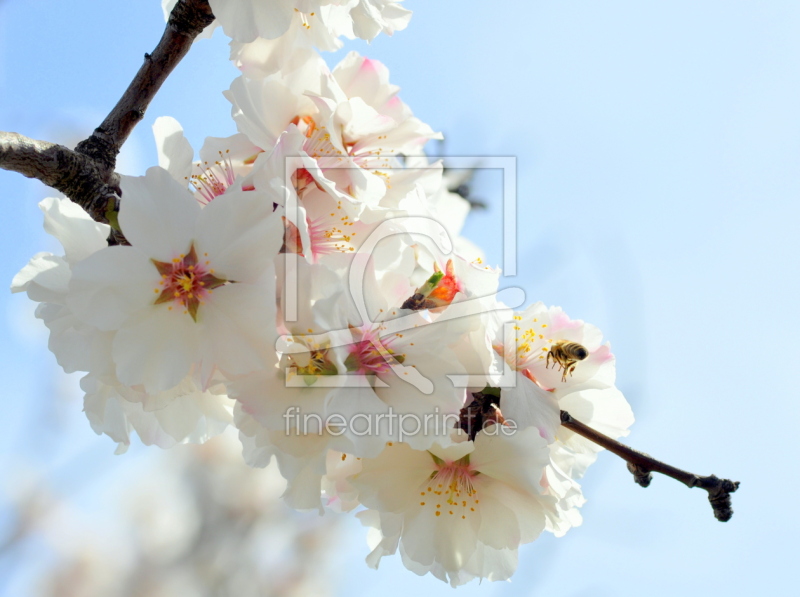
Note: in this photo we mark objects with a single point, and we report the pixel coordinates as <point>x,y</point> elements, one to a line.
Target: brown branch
<point>642,465</point>
<point>186,21</point>
<point>72,173</point>
<point>86,175</point>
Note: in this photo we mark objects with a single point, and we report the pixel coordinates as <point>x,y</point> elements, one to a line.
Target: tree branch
<point>86,175</point>
<point>67,171</point>
<point>186,21</point>
<point>642,466</point>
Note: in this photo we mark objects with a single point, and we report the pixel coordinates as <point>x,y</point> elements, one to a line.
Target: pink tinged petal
<point>77,232</point>
<point>156,348</point>
<point>369,80</point>
<point>110,285</point>
<point>365,78</point>
<point>157,214</point>
<point>175,154</point>
<point>239,234</point>
<point>238,328</point>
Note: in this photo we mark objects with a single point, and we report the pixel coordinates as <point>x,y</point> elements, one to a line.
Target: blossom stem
<point>86,175</point>
<point>642,466</point>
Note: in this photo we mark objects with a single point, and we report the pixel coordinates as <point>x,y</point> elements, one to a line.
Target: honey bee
<point>566,354</point>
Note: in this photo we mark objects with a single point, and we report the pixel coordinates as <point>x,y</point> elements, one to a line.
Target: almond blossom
<point>272,35</point>
<point>194,291</point>
<point>348,140</point>
<point>458,511</point>
<point>544,386</point>
<point>185,413</point>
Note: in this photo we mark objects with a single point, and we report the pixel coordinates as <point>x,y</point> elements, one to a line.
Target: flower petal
<point>110,285</point>
<point>175,154</point>
<point>156,348</point>
<point>157,214</point>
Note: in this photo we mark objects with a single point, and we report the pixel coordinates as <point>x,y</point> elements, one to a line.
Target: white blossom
<point>185,413</point>
<point>459,511</point>
<point>265,40</point>
<point>349,145</point>
<point>195,289</point>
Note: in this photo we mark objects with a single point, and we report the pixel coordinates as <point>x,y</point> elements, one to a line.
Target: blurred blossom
<point>195,522</point>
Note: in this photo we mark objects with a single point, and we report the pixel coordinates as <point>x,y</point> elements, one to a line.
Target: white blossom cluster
<point>305,281</point>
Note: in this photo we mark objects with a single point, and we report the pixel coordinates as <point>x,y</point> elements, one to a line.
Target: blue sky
<point>658,149</point>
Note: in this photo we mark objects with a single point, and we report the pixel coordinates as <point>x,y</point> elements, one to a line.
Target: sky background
<point>658,149</point>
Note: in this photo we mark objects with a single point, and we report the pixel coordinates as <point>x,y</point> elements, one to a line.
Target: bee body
<point>566,355</point>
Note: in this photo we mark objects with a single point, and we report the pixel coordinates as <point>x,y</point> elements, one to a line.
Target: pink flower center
<point>451,488</point>
<point>371,355</point>
<point>330,235</point>
<point>214,179</point>
<point>186,282</point>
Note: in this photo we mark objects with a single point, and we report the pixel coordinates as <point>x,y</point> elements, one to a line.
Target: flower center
<point>304,22</point>
<point>186,282</point>
<point>329,235</point>
<point>531,344</point>
<point>214,179</point>
<point>315,362</point>
<point>371,355</point>
<point>451,488</point>
<point>306,357</point>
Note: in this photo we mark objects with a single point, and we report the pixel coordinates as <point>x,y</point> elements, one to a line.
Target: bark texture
<point>86,174</point>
